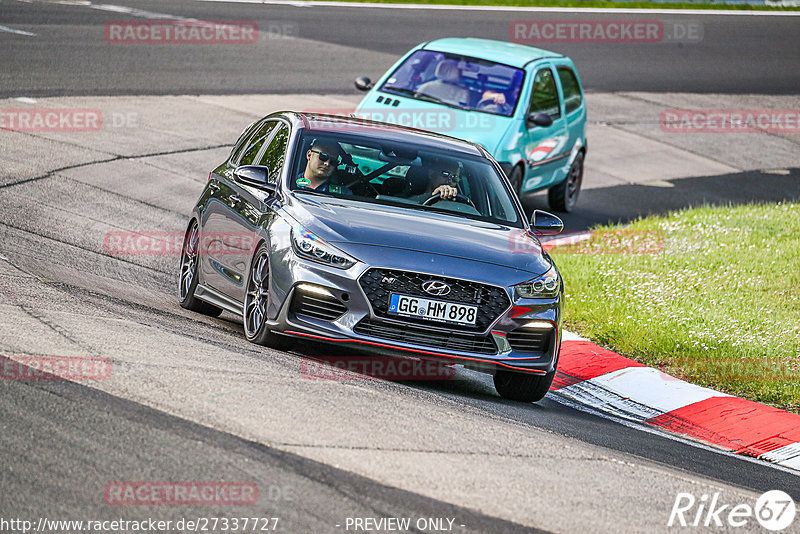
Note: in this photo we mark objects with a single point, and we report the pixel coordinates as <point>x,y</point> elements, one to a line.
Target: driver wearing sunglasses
<point>443,177</point>
<point>323,160</point>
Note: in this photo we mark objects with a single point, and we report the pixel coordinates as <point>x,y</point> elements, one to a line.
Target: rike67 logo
<point>774,510</point>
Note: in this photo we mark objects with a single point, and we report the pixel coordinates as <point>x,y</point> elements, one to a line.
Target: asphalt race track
<point>69,55</point>
<point>188,399</point>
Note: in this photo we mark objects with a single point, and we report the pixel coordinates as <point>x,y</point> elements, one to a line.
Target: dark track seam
<point>50,173</point>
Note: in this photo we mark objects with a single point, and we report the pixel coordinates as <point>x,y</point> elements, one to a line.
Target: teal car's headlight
<point>541,287</point>
<point>311,247</point>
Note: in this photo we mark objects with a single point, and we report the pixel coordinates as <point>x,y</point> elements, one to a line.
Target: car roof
<point>514,55</point>
<point>321,122</point>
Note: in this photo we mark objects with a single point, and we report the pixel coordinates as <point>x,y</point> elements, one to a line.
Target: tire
<point>521,386</point>
<point>516,180</point>
<point>256,301</point>
<point>564,196</point>
<point>187,276</point>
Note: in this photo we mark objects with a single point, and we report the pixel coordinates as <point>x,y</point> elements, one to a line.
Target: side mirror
<point>538,119</point>
<point>363,83</point>
<point>255,176</point>
<point>544,223</point>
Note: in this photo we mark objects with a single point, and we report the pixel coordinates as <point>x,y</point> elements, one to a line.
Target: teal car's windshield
<point>457,81</point>
<point>416,177</point>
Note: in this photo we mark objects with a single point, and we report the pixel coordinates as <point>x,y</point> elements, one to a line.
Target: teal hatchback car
<point>523,104</point>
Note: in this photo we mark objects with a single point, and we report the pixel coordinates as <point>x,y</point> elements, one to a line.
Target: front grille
<point>323,307</point>
<point>427,337</point>
<point>377,284</point>
<point>523,340</point>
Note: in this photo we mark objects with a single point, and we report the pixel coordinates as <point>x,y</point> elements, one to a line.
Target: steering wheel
<point>433,199</point>
<point>488,104</point>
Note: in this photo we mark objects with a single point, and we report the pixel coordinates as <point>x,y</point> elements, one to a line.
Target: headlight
<point>544,286</point>
<point>309,246</point>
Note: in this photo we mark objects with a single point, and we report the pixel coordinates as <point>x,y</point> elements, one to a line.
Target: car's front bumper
<point>330,305</point>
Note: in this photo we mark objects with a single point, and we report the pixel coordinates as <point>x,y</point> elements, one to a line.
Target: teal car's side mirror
<point>363,83</point>
<point>538,119</point>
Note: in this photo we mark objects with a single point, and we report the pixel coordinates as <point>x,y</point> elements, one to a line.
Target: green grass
<point>589,3</point>
<point>710,295</point>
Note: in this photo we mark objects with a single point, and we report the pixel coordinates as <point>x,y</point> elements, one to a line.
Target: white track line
<point>140,13</point>
<point>18,32</point>
<point>788,455</point>
<point>111,8</point>
<point>314,3</point>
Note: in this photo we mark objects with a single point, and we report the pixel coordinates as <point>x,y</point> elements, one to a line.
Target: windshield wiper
<point>401,90</point>
<point>429,98</point>
<point>423,96</point>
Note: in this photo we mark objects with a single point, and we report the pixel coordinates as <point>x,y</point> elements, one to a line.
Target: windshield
<point>457,81</point>
<point>380,171</point>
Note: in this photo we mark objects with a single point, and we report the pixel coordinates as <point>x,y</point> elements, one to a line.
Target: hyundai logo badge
<point>433,287</point>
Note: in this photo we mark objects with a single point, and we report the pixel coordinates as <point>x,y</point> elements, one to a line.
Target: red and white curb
<point>605,381</point>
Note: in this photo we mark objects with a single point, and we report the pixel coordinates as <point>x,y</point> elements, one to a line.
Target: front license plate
<point>432,310</point>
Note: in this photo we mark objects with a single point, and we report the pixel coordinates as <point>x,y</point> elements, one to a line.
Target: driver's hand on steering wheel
<point>445,191</point>
<point>496,97</point>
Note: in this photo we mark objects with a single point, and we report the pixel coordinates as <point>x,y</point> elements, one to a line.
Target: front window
<point>544,96</point>
<point>408,176</point>
<point>457,81</point>
<point>256,142</point>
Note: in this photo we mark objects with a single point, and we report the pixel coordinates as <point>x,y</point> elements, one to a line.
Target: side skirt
<point>212,296</point>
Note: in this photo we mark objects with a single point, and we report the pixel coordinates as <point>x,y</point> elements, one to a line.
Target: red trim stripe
<point>394,347</point>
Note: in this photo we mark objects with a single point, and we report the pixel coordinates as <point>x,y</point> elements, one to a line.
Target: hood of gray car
<point>342,222</point>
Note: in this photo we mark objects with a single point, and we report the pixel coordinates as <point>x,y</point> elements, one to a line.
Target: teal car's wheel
<point>187,279</point>
<point>255,304</point>
<point>564,196</point>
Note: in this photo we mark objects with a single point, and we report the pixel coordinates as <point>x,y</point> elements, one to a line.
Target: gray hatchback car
<point>394,240</point>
